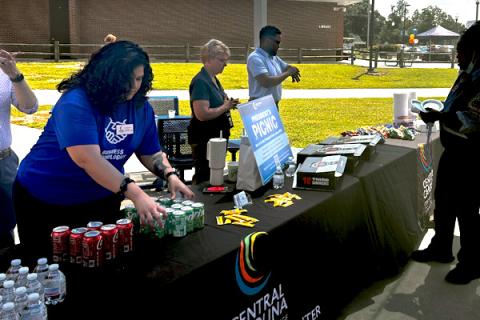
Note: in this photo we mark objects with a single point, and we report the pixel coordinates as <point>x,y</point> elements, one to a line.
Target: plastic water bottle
<point>8,312</point>
<point>8,291</point>
<point>21,299</point>
<point>291,167</point>
<point>1,304</point>
<point>35,286</point>
<point>3,277</point>
<point>41,269</point>
<point>278,178</point>
<point>55,285</point>
<point>22,277</point>
<point>35,310</point>
<point>12,272</point>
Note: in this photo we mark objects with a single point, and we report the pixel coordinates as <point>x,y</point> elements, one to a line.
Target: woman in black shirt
<point>210,106</point>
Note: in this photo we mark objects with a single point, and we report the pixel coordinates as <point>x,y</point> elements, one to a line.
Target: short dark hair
<point>107,77</point>
<point>269,31</point>
<point>469,39</point>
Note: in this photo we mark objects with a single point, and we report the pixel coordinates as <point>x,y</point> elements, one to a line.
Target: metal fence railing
<point>61,51</point>
<point>185,52</point>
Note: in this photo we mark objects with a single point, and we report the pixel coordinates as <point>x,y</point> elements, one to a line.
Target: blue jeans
<point>8,171</point>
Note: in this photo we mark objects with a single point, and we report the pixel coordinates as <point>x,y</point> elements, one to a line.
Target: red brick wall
<point>166,22</point>
<point>24,21</point>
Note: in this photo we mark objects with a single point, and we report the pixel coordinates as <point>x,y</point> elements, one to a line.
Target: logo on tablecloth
<point>249,269</point>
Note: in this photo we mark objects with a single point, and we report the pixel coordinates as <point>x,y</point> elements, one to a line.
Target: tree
<point>392,30</point>
<point>432,16</point>
<point>356,21</point>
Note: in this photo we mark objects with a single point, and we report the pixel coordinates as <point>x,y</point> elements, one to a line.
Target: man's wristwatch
<point>18,78</point>
<point>124,185</point>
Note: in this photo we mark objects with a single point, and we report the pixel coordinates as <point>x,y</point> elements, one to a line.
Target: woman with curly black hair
<point>74,173</point>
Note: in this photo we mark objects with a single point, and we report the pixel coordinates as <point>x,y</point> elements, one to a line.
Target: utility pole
<point>402,53</point>
<point>370,36</point>
<point>476,15</point>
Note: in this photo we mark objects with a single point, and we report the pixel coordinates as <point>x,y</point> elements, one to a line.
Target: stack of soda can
<point>183,217</point>
<point>93,245</point>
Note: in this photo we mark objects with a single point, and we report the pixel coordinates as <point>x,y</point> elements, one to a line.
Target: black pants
<point>455,198</point>
<point>36,219</point>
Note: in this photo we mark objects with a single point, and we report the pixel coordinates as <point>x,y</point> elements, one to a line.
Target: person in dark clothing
<point>210,106</point>
<point>458,169</point>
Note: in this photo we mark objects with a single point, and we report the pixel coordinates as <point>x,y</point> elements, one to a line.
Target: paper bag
<point>248,176</point>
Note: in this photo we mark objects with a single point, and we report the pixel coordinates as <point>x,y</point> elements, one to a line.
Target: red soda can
<point>76,246</point>
<point>94,225</point>
<point>110,241</point>
<point>125,235</point>
<point>60,240</point>
<point>92,244</point>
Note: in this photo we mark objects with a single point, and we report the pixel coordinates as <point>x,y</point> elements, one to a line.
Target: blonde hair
<point>109,38</point>
<point>212,49</point>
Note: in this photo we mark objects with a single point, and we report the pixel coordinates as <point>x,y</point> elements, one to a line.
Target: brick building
<point>304,23</point>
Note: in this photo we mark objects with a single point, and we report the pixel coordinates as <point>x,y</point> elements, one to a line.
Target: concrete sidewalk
<point>50,97</point>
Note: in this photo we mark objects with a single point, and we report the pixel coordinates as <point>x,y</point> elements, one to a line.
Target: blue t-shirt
<point>50,174</point>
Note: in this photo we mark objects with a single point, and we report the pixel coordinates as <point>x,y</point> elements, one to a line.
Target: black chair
<point>161,104</point>
<point>173,137</point>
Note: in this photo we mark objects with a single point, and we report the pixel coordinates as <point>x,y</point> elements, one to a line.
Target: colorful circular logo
<point>249,267</point>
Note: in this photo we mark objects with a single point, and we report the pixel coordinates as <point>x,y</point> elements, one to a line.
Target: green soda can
<point>165,202</point>
<point>190,219</point>
<point>179,201</point>
<point>176,206</point>
<point>159,230</point>
<point>130,212</point>
<point>199,215</point>
<point>187,203</point>
<point>179,224</point>
<point>169,222</point>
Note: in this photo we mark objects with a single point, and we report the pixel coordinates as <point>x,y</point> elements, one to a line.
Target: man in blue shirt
<point>267,71</point>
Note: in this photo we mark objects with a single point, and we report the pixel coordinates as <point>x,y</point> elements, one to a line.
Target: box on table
<point>370,141</point>
<point>353,152</point>
<point>320,173</point>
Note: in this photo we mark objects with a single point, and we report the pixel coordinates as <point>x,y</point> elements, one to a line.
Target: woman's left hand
<point>176,185</point>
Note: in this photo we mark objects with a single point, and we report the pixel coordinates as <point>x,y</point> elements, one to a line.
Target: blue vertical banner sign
<point>266,133</point>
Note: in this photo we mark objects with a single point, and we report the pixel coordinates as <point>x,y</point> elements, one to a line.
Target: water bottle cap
<point>42,261</point>
<point>8,306</point>
<point>16,262</point>
<point>33,297</point>
<point>20,290</point>
<point>53,267</point>
<point>23,270</point>
<point>8,284</point>
<point>3,276</point>
<point>32,276</point>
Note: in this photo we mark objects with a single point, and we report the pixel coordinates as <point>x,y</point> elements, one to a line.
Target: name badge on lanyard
<point>124,129</point>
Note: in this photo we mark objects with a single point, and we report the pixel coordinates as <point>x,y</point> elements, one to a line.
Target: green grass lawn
<point>305,120</point>
<point>43,75</point>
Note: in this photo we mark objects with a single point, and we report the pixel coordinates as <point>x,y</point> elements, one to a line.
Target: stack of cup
<point>216,150</point>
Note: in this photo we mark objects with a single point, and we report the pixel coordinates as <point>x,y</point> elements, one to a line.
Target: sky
<point>464,9</point>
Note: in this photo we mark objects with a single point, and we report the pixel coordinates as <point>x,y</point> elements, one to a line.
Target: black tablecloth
<point>320,252</point>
